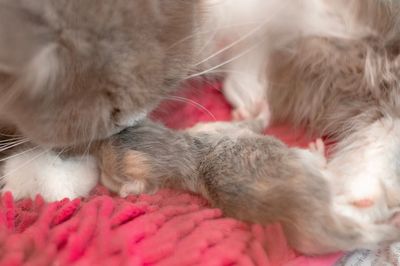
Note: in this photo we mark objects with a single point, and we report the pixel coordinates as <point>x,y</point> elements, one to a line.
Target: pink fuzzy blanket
<point>169,228</point>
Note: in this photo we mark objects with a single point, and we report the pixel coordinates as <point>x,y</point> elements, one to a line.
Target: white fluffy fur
<point>43,172</point>
<point>367,168</point>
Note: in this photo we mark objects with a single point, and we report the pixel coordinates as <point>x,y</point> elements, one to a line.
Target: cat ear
<point>26,48</point>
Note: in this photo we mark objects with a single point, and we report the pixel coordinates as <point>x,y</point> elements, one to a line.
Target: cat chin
<point>43,172</point>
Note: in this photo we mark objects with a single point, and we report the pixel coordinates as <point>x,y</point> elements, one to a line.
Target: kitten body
<point>249,176</point>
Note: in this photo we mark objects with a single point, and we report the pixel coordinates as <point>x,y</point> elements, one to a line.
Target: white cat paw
<point>45,173</point>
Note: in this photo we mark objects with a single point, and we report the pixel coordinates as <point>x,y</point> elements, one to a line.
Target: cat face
<point>74,71</point>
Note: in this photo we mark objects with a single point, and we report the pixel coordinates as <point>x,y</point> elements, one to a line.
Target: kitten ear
<point>26,46</point>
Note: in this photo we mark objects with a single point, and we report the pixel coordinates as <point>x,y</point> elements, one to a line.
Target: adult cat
<point>75,71</point>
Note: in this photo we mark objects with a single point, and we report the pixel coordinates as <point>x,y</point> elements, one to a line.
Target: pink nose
<point>363,203</point>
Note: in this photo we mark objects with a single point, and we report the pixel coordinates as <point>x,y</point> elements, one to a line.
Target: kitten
<point>249,176</point>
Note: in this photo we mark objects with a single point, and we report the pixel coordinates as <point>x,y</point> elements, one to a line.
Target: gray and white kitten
<point>250,176</point>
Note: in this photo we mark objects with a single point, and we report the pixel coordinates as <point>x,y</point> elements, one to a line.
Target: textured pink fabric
<point>169,228</point>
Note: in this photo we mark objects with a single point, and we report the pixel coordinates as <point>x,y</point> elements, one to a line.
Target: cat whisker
<point>260,25</point>
<point>5,141</point>
<point>8,94</point>
<point>214,31</point>
<point>211,81</point>
<point>223,63</point>
<point>194,103</point>
<point>25,163</point>
<point>216,71</point>
<point>13,144</point>
<point>58,155</point>
<point>87,150</point>
<point>11,135</point>
<point>231,45</point>
<point>14,140</point>
<point>91,138</point>
<point>18,154</point>
<point>213,85</point>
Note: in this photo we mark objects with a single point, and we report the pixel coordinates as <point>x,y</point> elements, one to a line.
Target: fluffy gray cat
<point>75,71</point>
<point>72,72</point>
